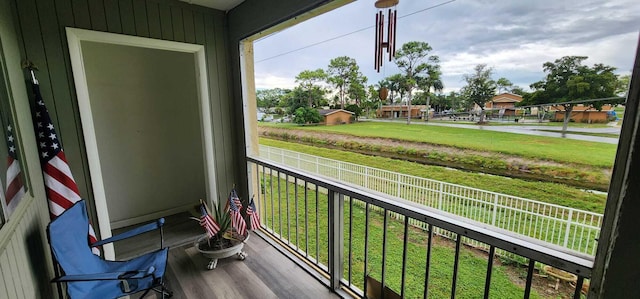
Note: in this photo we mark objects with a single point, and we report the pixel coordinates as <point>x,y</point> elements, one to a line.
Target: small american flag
<point>15,187</point>
<point>237,221</point>
<point>62,190</point>
<point>254,218</point>
<point>208,223</point>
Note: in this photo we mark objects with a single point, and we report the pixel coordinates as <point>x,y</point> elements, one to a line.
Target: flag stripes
<point>208,223</point>
<point>235,205</point>
<point>62,190</point>
<point>15,187</point>
<point>254,218</point>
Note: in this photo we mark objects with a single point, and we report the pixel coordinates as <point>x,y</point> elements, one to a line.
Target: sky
<point>514,37</point>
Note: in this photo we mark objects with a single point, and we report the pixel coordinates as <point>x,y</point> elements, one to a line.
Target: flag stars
<point>43,144</point>
<point>38,114</point>
<point>50,126</point>
<point>40,134</point>
<point>10,138</point>
<point>12,149</point>
<point>54,146</point>
<point>52,136</point>
<point>9,128</point>
<point>45,155</point>
<point>39,124</point>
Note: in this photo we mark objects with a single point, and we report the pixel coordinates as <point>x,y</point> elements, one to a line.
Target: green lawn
<point>556,149</point>
<point>301,220</point>
<point>541,191</point>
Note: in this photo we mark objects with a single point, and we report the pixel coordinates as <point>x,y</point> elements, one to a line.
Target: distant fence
<point>567,227</point>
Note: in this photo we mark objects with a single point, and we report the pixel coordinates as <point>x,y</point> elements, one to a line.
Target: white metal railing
<point>567,227</point>
<point>343,236</point>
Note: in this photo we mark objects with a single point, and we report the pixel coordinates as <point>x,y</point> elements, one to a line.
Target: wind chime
<point>390,43</point>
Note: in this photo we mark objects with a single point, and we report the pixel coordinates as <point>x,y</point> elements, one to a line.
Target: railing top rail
<point>454,185</point>
<point>530,248</point>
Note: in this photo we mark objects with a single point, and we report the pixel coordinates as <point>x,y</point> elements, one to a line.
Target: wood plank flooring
<point>265,273</point>
<point>179,230</point>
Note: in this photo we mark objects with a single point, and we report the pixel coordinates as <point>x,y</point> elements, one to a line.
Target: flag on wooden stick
<point>235,206</point>
<point>254,218</point>
<point>62,190</point>
<point>207,222</point>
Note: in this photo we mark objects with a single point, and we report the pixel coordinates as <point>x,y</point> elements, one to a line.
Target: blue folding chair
<point>88,275</point>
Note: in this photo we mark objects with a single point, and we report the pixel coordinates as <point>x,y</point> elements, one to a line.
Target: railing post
<point>440,194</point>
<point>336,223</point>
<point>282,157</point>
<point>366,177</point>
<point>495,209</point>
<point>567,231</point>
<point>398,182</point>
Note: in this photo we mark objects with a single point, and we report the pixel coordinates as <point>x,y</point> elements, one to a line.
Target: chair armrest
<point>136,274</point>
<point>132,233</point>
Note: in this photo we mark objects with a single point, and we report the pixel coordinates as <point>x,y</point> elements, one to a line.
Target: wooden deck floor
<point>265,273</point>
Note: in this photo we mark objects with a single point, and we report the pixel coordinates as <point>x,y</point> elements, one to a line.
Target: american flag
<point>235,205</point>
<point>15,187</point>
<point>254,218</point>
<point>62,190</point>
<point>208,223</point>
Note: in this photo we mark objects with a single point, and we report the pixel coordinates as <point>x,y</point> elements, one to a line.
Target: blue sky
<point>513,37</point>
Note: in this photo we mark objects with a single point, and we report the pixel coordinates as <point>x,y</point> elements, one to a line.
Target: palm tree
<point>432,80</point>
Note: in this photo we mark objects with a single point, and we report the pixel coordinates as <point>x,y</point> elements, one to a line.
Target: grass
<point>609,135</point>
<point>540,191</point>
<point>555,149</point>
<point>295,214</point>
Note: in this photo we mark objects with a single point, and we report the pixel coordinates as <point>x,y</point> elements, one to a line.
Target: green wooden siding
<point>43,40</point>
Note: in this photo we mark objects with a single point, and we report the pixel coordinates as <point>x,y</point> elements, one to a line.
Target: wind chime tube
<point>389,34</point>
<point>380,39</point>
<point>375,54</point>
<point>395,25</point>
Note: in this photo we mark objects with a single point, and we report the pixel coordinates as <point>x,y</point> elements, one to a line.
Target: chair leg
<point>163,291</point>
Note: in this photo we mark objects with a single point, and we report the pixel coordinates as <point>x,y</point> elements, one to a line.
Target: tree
<point>395,86</point>
<point>623,85</point>
<point>372,100</point>
<point>568,82</point>
<point>306,115</point>
<point>300,97</point>
<point>432,80</point>
<point>270,98</point>
<point>344,73</point>
<point>308,80</point>
<point>480,87</point>
<point>504,85</point>
<point>357,91</point>
<point>414,60</point>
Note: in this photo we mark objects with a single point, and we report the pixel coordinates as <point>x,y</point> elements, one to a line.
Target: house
<point>335,116</point>
<point>583,114</point>
<point>144,149</point>
<point>504,103</point>
<point>400,111</point>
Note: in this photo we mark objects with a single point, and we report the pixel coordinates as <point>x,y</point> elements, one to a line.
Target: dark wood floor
<point>179,229</point>
<point>265,273</point>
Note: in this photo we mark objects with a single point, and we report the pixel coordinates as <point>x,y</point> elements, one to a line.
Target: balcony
<point>355,241</point>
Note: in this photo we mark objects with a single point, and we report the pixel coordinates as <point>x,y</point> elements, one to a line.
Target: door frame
<point>75,37</point>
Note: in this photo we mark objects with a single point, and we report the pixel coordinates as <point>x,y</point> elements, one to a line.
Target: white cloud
<point>514,37</point>
<point>268,81</point>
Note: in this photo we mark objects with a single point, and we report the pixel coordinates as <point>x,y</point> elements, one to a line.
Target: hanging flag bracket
<point>31,67</point>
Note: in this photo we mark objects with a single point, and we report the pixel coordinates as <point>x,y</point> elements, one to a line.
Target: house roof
<point>325,112</point>
<point>506,98</point>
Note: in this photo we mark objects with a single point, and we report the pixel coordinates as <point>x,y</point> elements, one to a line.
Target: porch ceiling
<point>224,5</point>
